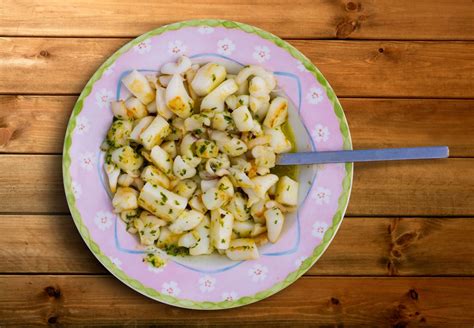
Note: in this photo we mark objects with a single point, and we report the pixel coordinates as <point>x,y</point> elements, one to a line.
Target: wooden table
<point>404,255</point>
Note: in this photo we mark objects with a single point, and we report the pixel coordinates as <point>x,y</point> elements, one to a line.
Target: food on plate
<point>190,158</point>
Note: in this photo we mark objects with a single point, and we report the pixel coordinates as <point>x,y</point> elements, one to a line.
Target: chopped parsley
<point>154,260</point>
<point>174,250</point>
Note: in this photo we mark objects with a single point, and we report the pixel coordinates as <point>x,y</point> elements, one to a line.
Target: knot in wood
<point>344,29</point>
<point>413,294</point>
<point>351,6</point>
<point>52,292</point>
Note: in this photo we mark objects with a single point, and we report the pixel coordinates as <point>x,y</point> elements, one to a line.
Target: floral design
<point>170,288</point>
<point>207,284</point>
<point>117,262</point>
<point>229,296</point>
<point>321,195</point>
<point>76,189</point>
<point>143,47</point>
<point>300,66</point>
<point>315,95</point>
<point>82,125</point>
<point>87,161</point>
<point>319,228</point>
<point>176,47</point>
<point>103,220</point>
<point>299,261</point>
<point>261,54</point>
<point>225,47</point>
<point>103,98</point>
<point>258,272</point>
<point>205,29</point>
<point>320,133</point>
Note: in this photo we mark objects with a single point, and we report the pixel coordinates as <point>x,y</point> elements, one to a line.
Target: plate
<point>211,282</point>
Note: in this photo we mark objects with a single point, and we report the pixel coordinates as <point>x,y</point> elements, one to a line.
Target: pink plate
<point>207,282</point>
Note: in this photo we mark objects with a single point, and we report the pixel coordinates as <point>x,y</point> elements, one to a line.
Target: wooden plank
<point>362,247</point>
<point>103,300</point>
<point>31,184</point>
<point>47,243</point>
<point>411,188</point>
<point>354,68</point>
<point>36,124</point>
<point>423,19</point>
<point>381,123</point>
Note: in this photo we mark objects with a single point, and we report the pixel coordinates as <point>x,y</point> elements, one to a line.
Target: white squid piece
<point>125,199</point>
<point>182,169</point>
<point>161,107</point>
<point>135,108</point>
<point>242,249</point>
<point>154,175</point>
<point>287,191</point>
<point>203,245</point>
<point>138,85</point>
<point>221,228</point>
<point>127,159</point>
<point>187,220</point>
<point>215,100</point>
<point>161,202</point>
<point>182,65</point>
<point>141,125</point>
<point>277,113</point>
<point>207,78</point>
<point>113,173</point>
<point>274,221</point>
<point>243,119</point>
<point>177,98</point>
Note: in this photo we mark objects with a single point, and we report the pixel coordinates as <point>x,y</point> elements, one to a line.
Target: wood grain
<point>103,300</point>
<point>421,188</point>
<point>383,19</point>
<point>362,247</point>
<point>36,124</point>
<point>354,68</point>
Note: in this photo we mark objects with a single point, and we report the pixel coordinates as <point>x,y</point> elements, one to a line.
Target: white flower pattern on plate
<point>300,66</point>
<point>258,272</point>
<point>103,98</point>
<point>176,47</point>
<point>82,125</point>
<point>109,70</point>
<point>225,47</point>
<point>207,283</point>
<point>117,262</point>
<point>170,288</point>
<point>229,296</point>
<point>321,195</point>
<point>299,261</point>
<point>103,220</point>
<point>87,161</point>
<point>143,47</point>
<point>319,228</point>
<point>205,29</point>
<point>320,133</point>
<point>76,189</point>
<point>261,54</point>
<point>315,95</point>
